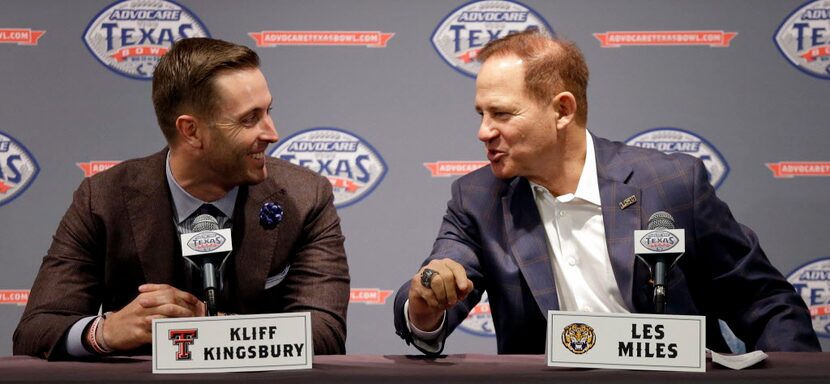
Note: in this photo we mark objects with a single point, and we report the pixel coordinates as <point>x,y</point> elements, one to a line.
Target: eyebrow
<point>255,109</point>
<point>496,106</point>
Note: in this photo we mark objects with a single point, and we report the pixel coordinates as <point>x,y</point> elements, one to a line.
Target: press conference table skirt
<point>468,368</point>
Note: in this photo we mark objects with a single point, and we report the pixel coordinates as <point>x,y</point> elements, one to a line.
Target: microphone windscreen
<point>205,222</point>
<point>660,219</point>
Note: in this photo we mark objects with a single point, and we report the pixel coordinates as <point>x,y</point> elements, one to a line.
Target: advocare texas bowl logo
<point>479,321</point>
<point>804,38</point>
<point>18,168</point>
<point>812,282</point>
<point>659,240</point>
<point>206,241</point>
<point>351,164</point>
<point>672,140</point>
<point>130,36</point>
<point>460,36</point>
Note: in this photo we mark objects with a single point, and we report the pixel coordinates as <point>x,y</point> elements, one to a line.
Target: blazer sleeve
<point>458,239</point>
<point>757,302</point>
<point>318,281</point>
<point>68,285</point>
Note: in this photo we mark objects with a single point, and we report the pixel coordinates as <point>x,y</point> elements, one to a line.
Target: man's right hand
<point>131,327</point>
<point>449,286</point>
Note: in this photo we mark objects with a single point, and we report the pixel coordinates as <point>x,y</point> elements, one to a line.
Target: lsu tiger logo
<point>578,338</point>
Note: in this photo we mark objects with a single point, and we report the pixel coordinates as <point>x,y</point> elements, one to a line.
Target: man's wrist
<point>94,336</point>
<point>99,336</point>
<point>424,322</point>
<point>429,342</point>
<point>421,332</point>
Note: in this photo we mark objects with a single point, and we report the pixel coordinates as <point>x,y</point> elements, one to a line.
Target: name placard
<point>626,341</point>
<point>232,343</point>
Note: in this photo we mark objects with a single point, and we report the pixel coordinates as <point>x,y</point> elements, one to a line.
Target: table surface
<point>780,367</point>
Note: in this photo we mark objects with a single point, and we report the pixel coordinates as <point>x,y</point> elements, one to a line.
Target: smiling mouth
<point>495,156</point>
<point>258,155</point>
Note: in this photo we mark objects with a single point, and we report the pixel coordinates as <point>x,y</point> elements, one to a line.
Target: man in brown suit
<point>117,247</point>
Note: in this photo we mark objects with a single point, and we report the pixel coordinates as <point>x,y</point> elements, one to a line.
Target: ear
<point>565,106</point>
<point>189,133</point>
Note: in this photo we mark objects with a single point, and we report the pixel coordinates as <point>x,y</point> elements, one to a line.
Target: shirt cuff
<point>430,341</point>
<point>74,339</point>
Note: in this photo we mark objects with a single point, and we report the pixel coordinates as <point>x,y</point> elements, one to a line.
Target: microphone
<point>205,222</point>
<point>659,247</point>
<point>661,219</point>
<point>207,247</point>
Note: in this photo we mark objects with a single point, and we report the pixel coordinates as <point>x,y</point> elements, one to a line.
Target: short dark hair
<point>183,78</point>
<point>552,65</point>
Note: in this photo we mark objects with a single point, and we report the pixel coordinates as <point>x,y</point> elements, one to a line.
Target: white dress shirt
<point>575,233</point>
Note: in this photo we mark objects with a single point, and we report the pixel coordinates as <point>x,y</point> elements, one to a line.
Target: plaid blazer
<point>493,228</point>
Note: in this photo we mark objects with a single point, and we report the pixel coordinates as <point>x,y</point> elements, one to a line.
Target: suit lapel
<point>527,240</point>
<point>620,220</point>
<point>254,245</point>
<point>150,218</point>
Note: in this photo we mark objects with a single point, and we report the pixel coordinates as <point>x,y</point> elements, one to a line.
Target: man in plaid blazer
<point>549,225</point>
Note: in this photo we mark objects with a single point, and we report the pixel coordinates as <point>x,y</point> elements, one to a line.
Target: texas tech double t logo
<point>183,338</point>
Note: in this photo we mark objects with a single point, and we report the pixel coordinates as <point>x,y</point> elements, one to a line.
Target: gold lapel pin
<point>628,201</point>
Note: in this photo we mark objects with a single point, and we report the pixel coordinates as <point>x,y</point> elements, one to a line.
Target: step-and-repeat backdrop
<point>742,84</point>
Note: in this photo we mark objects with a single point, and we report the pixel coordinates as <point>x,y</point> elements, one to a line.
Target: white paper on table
<point>740,361</point>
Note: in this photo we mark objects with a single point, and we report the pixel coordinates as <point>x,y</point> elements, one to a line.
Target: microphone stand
<point>660,284</point>
<point>209,281</point>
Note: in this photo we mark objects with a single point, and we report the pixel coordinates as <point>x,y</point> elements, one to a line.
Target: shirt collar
<point>185,204</point>
<point>588,187</point>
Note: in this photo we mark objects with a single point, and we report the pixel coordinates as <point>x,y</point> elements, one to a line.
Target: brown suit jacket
<point>120,233</point>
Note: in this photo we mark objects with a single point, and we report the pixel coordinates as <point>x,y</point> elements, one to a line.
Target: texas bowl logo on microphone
<point>130,36</point>
<point>18,168</point>
<point>206,241</point>
<point>672,140</point>
<point>803,39</point>
<point>479,321</point>
<point>812,282</point>
<point>659,240</point>
<point>460,36</point>
<point>351,164</point>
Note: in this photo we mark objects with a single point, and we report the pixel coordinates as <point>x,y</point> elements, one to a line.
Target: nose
<point>485,131</point>
<point>269,130</point>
